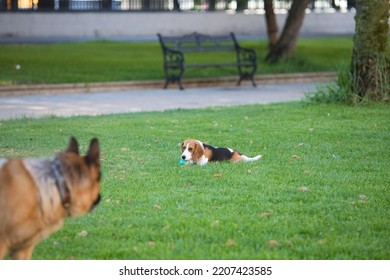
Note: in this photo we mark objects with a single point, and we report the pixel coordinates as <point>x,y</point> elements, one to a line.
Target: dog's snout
<point>183,156</point>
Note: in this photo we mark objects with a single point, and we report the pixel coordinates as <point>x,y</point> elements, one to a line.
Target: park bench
<point>175,47</point>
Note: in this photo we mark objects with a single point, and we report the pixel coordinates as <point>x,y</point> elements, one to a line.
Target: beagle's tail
<point>249,159</point>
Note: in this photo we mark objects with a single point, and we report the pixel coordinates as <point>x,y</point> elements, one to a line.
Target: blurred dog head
<point>36,195</point>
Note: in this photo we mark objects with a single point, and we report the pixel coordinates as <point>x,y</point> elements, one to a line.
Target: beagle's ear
<point>198,151</point>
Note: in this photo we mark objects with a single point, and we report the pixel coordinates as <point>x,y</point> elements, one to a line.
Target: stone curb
<point>50,89</point>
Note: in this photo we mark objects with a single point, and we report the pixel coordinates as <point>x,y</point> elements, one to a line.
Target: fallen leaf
<point>217,175</point>
<point>84,233</point>
<point>295,156</point>
<point>157,206</point>
<point>321,242</point>
<point>230,242</point>
<point>299,145</point>
<point>273,243</point>
<point>265,214</point>
<point>362,197</point>
<point>290,244</point>
<point>303,189</point>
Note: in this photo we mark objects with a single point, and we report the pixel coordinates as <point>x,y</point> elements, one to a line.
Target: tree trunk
<point>272,26</point>
<point>370,67</point>
<point>285,46</point>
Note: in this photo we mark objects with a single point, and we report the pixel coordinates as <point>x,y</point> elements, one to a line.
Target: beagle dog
<point>196,152</point>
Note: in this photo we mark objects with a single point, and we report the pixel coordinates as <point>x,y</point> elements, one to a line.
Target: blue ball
<point>182,162</point>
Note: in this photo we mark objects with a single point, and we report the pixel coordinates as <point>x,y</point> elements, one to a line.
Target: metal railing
<point>254,6</point>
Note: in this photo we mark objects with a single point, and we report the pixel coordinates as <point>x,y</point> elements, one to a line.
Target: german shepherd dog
<point>37,194</point>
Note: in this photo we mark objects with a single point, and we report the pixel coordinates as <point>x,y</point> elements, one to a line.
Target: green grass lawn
<point>320,192</point>
<point>104,61</point>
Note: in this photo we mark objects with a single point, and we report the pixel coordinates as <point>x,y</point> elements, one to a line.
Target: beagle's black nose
<point>183,157</point>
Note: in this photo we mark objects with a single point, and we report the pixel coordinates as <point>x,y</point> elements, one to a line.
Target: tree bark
<point>272,26</point>
<point>370,67</point>
<point>285,46</point>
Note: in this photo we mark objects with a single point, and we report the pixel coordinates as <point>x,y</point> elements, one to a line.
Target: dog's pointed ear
<point>73,146</point>
<point>198,152</point>
<point>93,154</point>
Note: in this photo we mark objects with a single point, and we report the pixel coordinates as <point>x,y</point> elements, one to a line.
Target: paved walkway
<point>137,100</point>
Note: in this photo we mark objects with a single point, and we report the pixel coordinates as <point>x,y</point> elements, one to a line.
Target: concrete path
<point>137,100</point>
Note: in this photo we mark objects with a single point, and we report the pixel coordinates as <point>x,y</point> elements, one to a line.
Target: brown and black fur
<point>37,194</point>
<point>201,153</point>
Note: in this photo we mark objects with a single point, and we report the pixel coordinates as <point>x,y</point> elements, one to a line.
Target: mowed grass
<point>105,61</point>
<point>320,192</point>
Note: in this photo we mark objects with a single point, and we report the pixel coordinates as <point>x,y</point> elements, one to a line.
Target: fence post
<point>47,5</point>
<point>14,5</point>
<point>64,5</point>
<point>146,4</point>
<point>107,5</point>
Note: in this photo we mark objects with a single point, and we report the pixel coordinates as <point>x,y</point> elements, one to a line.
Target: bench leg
<point>253,81</point>
<point>239,81</point>
<point>173,78</point>
<point>180,85</point>
<point>166,84</point>
<point>247,77</point>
